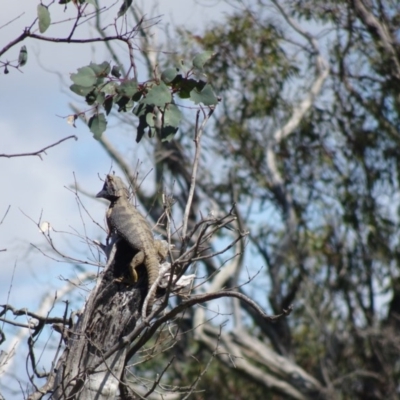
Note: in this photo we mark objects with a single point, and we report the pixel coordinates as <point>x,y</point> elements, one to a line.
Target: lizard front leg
<point>139,259</point>
<point>133,275</point>
<point>136,261</point>
<point>161,249</point>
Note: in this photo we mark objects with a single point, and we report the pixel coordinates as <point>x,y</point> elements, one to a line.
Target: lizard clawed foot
<point>131,280</point>
<point>124,280</point>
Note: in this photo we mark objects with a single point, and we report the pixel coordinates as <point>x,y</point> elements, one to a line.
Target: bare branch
<point>322,69</point>
<point>243,350</point>
<point>197,140</point>
<point>26,312</point>
<point>5,214</point>
<point>380,29</point>
<point>38,153</point>
<point>12,20</point>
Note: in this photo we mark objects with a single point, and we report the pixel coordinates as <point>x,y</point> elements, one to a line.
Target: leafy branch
<point>153,101</point>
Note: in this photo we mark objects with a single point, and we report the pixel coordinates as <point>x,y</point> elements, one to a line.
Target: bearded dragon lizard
<point>123,219</point>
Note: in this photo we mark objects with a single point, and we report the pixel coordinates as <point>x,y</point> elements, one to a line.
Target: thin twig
<point>197,140</point>
<point>5,214</point>
<point>38,153</point>
<point>197,380</point>
<point>12,20</point>
<point>157,381</point>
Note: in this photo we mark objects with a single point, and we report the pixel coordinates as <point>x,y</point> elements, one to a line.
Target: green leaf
<point>122,102</point>
<point>124,8</point>
<point>172,119</point>
<point>110,88</point>
<point>141,110</point>
<point>140,131</point>
<point>97,124</point>
<point>167,133</point>
<point>84,77</point>
<point>116,71</point>
<point>205,96</point>
<point>184,67</point>
<point>101,70</point>
<point>101,96</point>
<point>43,15</point>
<point>108,102</point>
<point>158,95</point>
<point>23,56</point>
<point>199,61</point>
<point>137,96</point>
<point>99,82</point>
<point>127,88</point>
<point>169,75</point>
<point>184,87</point>
<point>150,119</point>
<point>172,116</point>
<point>81,90</point>
<point>91,98</point>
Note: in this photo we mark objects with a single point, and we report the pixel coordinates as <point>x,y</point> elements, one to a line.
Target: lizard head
<point>113,189</point>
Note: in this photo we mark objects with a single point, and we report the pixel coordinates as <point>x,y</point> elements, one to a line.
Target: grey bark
<point>111,312</point>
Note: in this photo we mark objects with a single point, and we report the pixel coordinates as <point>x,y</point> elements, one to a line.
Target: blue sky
<point>31,105</point>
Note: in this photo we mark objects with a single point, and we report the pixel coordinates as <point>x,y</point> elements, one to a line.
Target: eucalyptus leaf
<point>116,71</point>
<point>23,56</point>
<point>101,96</point>
<point>108,102</point>
<point>142,111</point>
<point>141,128</point>
<point>127,88</point>
<point>171,121</point>
<point>43,15</point>
<point>199,61</point>
<point>81,90</point>
<point>150,119</point>
<point>139,110</point>
<point>158,95</point>
<point>101,70</point>
<point>185,68</point>
<point>137,96</point>
<point>124,8</point>
<point>169,74</point>
<point>172,116</point>
<point>97,124</point>
<point>167,133</point>
<point>122,102</point>
<point>205,96</point>
<point>184,87</point>
<point>91,98</point>
<point>109,88</point>
<point>84,77</point>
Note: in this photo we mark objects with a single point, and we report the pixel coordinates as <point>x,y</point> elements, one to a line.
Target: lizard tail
<point>152,267</point>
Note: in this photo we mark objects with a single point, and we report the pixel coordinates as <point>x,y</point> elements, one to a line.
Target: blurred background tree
<point>305,143</point>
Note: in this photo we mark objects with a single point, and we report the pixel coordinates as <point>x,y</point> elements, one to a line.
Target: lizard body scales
<point>130,225</point>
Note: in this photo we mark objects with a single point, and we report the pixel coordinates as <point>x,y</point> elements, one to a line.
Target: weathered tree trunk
<point>110,313</point>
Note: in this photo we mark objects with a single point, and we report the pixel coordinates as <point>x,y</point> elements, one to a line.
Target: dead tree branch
<point>39,152</point>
